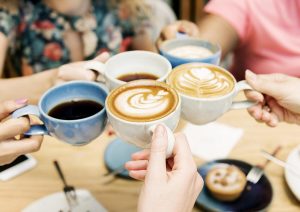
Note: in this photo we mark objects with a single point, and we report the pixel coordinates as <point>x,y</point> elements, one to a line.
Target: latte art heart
<point>201,81</point>
<point>142,103</point>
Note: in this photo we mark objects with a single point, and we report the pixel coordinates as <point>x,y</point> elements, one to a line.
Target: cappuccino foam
<point>140,103</point>
<point>201,81</point>
<point>191,52</point>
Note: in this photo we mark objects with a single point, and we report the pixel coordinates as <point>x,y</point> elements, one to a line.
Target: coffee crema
<point>137,76</point>
<point>191,52</point>
<point>142,101</point>
<point>201,81</point>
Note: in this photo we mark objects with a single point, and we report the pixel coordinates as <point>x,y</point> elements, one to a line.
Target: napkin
<point>213,140</point>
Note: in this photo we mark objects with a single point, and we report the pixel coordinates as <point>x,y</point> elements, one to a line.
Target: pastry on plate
<point>225,182</point>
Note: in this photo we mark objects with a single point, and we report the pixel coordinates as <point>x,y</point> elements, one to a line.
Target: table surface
<point>84,168</point>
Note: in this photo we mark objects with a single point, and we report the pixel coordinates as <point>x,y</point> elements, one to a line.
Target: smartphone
<point>17,167</point>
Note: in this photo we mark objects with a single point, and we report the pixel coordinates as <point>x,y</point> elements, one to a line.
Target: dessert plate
<point>292,179</point>
<point>117,153</point>
<point>255,197</point>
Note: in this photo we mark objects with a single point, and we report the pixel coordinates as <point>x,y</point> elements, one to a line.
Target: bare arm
<point>142,41</point>
<point>31,87</point>
<point>3,44</point>
<point>212,28</point>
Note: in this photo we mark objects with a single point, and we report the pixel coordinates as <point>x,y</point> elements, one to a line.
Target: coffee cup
<point>136,108</point>
<point>207,91</point>
<point>129,66</point>
<point>188,50</point>
<point>73,112</point>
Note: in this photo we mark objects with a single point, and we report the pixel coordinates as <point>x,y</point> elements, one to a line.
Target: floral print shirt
<point>36,33</point>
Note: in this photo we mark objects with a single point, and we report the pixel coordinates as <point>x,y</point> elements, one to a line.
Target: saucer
<point>292,179</point>
<point>255,197</point>
<point>117,153</point>
<point>58,202</point>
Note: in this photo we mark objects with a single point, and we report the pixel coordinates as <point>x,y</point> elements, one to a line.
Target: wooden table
<point>84,167</point>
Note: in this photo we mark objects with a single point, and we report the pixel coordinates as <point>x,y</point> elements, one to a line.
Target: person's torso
<point>40,40</point>
<point>272,43</point>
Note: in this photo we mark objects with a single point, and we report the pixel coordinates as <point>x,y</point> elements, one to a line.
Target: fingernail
<point>21,101</point>
<point>250,75</point>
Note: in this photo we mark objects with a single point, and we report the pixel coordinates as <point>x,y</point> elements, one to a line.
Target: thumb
<point>103,57</point>
<point>157,161</point>
<point>269,84</point>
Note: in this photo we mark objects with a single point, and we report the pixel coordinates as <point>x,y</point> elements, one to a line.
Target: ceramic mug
<point>129,63</point>
<point>140,132</point>
<point>202,110</point>
<point>182,41</point>
<point>74,132</point>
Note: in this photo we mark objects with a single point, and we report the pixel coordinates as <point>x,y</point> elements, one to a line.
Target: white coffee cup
<point>130,62</point>
<point>140,133</point>
<point>198,110</point>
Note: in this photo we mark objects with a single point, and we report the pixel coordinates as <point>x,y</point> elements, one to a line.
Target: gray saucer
<point>117,153</point>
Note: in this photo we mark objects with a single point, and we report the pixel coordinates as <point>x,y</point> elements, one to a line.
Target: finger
<point>13,127</point>
<point>273,120</point>
<point>141,155</point>
<point>75,71</point>
<point>137,165</point>
<point>138,175</point>
<point>270,84</point>
<point>157,160</point>
<point>103,57</point>
<point>256,111</point>
<point>183,158</point>
<point>254,95</point>
<point>7,107</point>
<point>21,147</point>
<point>276,109</point>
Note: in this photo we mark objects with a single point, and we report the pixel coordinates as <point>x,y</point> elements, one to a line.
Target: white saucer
<point>58,202</point>
<point>292,179</point>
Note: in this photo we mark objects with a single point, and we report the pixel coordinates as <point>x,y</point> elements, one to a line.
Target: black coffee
<point>137,76</point>
<point>75,110</point>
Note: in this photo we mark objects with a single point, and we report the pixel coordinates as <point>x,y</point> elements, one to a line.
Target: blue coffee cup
<point>184,40</point>
<point>75,132</point>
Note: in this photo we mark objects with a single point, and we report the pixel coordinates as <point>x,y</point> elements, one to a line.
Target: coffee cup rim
<point>160,79</point>
<point>145,122</point>
<point>166,42</point>
<point>71,83</point>
<point>200,98</point>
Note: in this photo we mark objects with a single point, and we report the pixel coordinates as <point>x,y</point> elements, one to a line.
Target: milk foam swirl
<point>143,102</point>
<point>201,82</point>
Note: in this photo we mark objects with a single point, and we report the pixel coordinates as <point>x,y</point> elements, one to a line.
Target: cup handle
<point>171,139</point>
<point>97,67</point>
<point>242,85</point>
<point>31,110</point>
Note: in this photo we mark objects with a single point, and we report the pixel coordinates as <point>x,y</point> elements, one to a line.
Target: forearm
<point>217,30</point>
<point>143,41</point>
<point>31,87</point>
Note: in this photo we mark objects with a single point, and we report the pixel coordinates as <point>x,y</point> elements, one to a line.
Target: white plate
<point>57,202</point>
<point>292,179</point>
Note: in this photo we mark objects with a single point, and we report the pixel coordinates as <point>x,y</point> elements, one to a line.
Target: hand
<point>10,147</point>
<point>76,71</point>
<point>170,31</point>
<point>171,185</point>
<point>280,102</point>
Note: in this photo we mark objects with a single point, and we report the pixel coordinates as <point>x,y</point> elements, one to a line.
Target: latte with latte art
<point>142,102</point>
<point>200,81</point>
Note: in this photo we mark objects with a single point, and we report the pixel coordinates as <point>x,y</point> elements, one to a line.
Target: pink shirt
<point>269,33</point>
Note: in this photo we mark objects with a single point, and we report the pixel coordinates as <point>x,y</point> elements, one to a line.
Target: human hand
<point>171,185</point>
<point>10,147</point>
<point>76,70</point>
<point>280,102</point>
<point>170,31</point>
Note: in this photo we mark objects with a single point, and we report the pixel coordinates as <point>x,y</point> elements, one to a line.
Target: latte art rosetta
<point>143,103</point>
<point>201,82</point>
